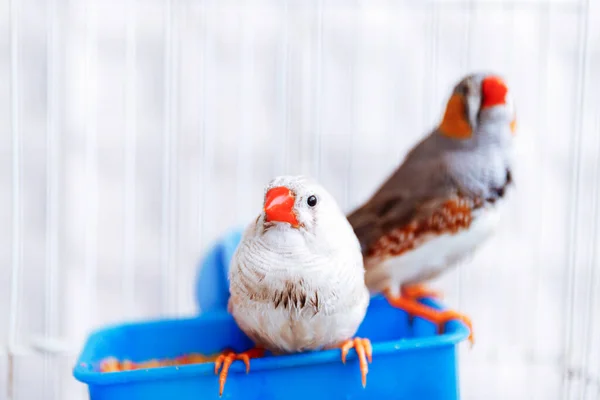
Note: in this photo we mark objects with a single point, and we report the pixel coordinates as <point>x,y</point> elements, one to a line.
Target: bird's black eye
<point>312,201</point>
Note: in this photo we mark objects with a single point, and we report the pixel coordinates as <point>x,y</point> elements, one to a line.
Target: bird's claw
<point>416,309</point>
<point>448,315</point>
<point>364,350</point>
<point>227,358</point>
<point>419,291</point>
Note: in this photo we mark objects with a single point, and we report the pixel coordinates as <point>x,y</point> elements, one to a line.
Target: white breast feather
<point>338,279</point>
<point>433,256</point>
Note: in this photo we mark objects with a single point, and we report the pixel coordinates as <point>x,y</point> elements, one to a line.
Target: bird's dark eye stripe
<point>312,201</point>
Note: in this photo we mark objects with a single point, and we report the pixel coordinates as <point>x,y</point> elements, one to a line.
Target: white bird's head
<point>299,204</point>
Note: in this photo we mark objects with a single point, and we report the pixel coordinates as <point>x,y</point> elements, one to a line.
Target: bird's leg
<point>363,350</point>
<point>228,357</point>
<point>418,291</point>
<point>416,309</point>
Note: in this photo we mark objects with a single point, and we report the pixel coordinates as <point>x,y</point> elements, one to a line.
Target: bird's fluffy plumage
<point>442,202</point>
<point>297,289</point>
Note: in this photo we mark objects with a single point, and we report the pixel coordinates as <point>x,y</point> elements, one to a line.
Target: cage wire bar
<point>53,126</point>
<point>244,162</point>
<point>91,160</point>
<point>576,183</point>
<point>170,163</point>
<point>358,34</point>
<point>318,91</point>
<point>281,162</point>
<point>542,112</point>
<point>16,264</point>
<point>54,345</point>
<point>205,134</point>
<point>593,290</point>
<point>131,127</point>
<point>594,331</point>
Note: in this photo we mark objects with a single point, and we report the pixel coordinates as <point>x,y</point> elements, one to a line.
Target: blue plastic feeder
<point>410,361</point>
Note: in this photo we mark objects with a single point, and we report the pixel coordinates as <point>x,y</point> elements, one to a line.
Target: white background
<point>134,132</point>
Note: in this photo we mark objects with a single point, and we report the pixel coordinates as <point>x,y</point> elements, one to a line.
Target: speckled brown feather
<point>293,294</point>
<point>403,222</point>
<point>453,215</point>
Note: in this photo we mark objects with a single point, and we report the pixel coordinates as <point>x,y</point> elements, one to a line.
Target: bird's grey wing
<point>420,200</point>
<point>415,192</point>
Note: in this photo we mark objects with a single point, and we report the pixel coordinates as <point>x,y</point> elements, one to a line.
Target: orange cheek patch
<point>513,126</point>
<point>454,124</point>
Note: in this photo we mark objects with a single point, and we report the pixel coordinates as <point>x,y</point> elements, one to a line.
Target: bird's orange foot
<point>363,350</point>
<point>418,291</point>
<point>228,357</point>
<point>416,309</point>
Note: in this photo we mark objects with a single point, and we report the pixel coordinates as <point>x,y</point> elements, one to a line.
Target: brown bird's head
<point>479,102</point>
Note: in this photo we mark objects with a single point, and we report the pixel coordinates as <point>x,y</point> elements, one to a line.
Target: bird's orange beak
<point>279,206</point>
<point>494,92</point>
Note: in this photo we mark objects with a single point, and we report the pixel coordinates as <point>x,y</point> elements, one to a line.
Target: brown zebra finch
<point>443,201</point>
<point>297,279</point>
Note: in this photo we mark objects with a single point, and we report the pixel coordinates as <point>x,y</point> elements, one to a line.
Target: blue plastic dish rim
<point>456,332</point>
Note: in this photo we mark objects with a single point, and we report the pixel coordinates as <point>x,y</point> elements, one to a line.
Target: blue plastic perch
<point>410,361</point>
